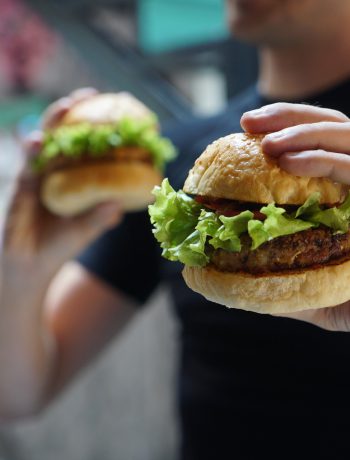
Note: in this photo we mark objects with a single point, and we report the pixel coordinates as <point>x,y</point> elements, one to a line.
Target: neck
<point>301,71</point>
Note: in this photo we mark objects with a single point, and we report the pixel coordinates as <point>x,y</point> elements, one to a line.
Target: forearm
<point>27,351</point>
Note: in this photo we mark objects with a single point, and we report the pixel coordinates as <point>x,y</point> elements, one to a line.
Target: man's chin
<point>247,32</point>
<point>256,34</point>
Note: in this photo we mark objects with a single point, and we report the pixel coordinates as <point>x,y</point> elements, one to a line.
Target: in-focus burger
<point>106,147</point>
<point>251,235</point>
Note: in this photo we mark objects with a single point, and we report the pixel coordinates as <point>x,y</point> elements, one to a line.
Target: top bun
<point>106,108</point>
<point>236,168</point>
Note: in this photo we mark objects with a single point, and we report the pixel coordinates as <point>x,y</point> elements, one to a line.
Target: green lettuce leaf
<point>174,216</point>
<point>257,233</point>
<point>186,231</point>
<point>85,139</point>
<point>227,236</point>
<point>278,223</point>
<point>335,218</point>
<point>191,251</point>
<point>345,207</point>
<point>310,207</point>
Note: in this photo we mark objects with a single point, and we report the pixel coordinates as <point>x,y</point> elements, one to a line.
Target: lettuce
<point>227,236</point>
<point>311,206</point>
<point>257,233</point>
<point>174,216</point>
<point>187,232</point>
<point>334,218</point>
<point>183,228</point>
<point>278,223</point>
<point>191,251</point>
<point>85,139</point>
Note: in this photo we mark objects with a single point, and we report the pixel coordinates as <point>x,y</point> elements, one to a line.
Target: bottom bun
<point>69,192</point>
<point>326,286</point>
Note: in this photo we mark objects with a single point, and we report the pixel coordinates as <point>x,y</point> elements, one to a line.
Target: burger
<point>251,235</point>
<point>106,147</point>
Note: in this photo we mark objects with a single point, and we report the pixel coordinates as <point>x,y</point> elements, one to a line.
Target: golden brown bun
<point>71,191</point>
<point>276,293</point>
<point>234,167</point>
<point>106,108</point>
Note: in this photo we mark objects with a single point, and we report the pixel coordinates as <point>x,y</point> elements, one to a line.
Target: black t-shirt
<point>250,386</point>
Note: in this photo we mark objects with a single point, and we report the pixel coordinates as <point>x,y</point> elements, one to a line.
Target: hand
<point>306,140</point>
<point>314,142</point>
<point>34,235</point>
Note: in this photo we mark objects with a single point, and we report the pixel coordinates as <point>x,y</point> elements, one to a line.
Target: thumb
<point>105,216</point>
<point>93,223</point>
<point>66,238</point>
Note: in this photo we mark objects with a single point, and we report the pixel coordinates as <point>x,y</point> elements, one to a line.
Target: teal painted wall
<point>169,24</point>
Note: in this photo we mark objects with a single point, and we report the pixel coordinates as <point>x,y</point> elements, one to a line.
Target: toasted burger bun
<point>71,191</point>
<point>234,167</point>
<point>106,108</point>
<point>285,292</point>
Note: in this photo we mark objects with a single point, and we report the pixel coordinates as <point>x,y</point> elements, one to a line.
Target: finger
<point>332,318</point>
<point>281,115</point>
<point>336,318</point>
<point>101,218</point>
<point>82,93</point>
<point>33,143</point>
<point>22,216</point>
<point>108,215</point>
<point>330,136</point>
<point>58,109</point>
<point>309,316</point>
<point>81,230</point>
<point>55,112</point>
<point>317,163</point>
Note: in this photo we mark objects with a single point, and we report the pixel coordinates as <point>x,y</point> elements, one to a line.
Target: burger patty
<point>292,252</point>
<point>125,153</point>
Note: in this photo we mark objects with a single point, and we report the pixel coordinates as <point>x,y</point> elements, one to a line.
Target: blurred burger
<point>251,235</point>
<point>106,147</point>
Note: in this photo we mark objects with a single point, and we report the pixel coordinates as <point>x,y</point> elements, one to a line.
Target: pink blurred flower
<point>25,43</point>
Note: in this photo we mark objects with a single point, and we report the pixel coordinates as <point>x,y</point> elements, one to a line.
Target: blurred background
<point>178,58</point>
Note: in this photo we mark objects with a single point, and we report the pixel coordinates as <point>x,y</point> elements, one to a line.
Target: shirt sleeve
<point>126,257</point>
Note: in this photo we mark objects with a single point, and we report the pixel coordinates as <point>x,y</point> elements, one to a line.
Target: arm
<point>46,339</point>
<point>51,325</point>
<point>308,141</point>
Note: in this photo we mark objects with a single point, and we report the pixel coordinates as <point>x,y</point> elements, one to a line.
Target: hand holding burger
<point>103,147</point>
<point>308,141</point>
<point>260,238</point>
<point>34,238</point>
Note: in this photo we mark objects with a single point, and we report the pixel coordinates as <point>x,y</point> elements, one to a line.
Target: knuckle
<point>339,115</point>
<point>278,108</point>
<point>322,127</point>
<point>82,93</point>
<point>321,154</point>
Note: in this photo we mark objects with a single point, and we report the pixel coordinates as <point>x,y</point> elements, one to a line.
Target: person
<point>250,385</point>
